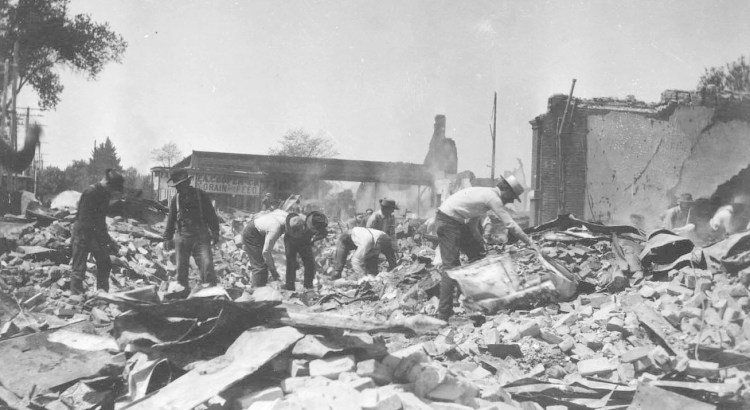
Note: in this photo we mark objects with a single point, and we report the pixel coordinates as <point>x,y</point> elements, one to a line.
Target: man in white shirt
<point>260,236</point>
<point>369,244</point>
<point>458,229</point>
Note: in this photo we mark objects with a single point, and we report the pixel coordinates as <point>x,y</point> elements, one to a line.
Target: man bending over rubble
<point>192,226</point>
<point>260,236</point>
<point>90,234</point>
<point>458,229</point>
<point>369,244</point>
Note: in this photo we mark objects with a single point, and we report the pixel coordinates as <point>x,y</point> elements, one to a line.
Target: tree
<point>51,181</point>
<point>167,155</point>
<point>77,175</point>
<point>137,183</point>
<point>48,38</point>
<point>734,77</point>
<point>103,157</point>
<point>299,143</point>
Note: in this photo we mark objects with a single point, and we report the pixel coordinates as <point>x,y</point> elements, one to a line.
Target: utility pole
<point>13,116</point>
<point>560,157</point>
<point>493,132</point>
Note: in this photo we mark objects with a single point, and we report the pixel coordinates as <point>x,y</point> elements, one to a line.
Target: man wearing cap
<point>384,220</point>
<point>316,228</point>
<point>679,216</point>
<point>90,234</point>
<point>369,244</point>
<point>457,224</point>
<point>192,226</point>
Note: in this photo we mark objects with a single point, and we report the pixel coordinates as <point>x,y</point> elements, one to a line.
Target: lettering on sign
<point>226,184</point>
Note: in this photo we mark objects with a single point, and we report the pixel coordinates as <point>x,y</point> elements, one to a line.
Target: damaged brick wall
<point>545,168</point>
<point>637,157</point>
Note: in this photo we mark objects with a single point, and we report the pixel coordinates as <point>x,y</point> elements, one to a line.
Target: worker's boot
<point>102,284</point>
<point>76,286</point>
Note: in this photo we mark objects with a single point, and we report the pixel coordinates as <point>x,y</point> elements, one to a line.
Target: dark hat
<point>295,225</point>
<point>512,183</point>
<point>388,203</point>
<point>317,222</point>
<point>114,180</point>
<point>178,176</point>
<point>685,199</point>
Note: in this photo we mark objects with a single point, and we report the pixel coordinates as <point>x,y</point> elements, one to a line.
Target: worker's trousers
<point>303,248</point>
<point>189,243</point>
<point>454,237</point>
<point>85,243</point>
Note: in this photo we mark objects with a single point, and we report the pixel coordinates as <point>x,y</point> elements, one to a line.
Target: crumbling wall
<point>442,155</point>
<point>637,163</point>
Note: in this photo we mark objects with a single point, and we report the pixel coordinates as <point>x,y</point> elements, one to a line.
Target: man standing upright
<point>384,220</point>
<point>90,234</point>
<point>457,225</point>
<point>192,227</point>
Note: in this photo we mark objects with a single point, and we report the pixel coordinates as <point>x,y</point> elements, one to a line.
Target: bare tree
<point>299,143</point>
<point>734,77</point>
<point>167,155</point>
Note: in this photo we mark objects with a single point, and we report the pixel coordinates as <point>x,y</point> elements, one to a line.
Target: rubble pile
<point>652,320</point>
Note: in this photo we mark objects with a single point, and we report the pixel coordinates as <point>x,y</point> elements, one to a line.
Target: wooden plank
<point>651,397</point>
<point>245,356</point>
<point>417,324</point>
<point>659,326</point>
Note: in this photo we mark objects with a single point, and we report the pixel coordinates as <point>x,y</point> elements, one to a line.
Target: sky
<point>234,76</point>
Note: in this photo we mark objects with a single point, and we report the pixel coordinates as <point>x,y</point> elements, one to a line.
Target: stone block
<point>379,373</point>
<point>635,354</point>
<point>299,367</point>
<point>567,344</point>
<point>647,292</point>
<point>502,350</point>
<point>530,328</point>
<point>699,368</point>
<point>267,395</point>
<point>675,289</point>
<point>411,402</point>
<point>591,367</point>
<point>615,324</point>
<point>566,319</point>
<point>292,384</point>
<point>427,377</point>
<point>551,338</point>
<point>332,367</point>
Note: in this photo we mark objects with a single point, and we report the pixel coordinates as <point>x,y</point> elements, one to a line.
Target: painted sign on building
<point>228,184</point>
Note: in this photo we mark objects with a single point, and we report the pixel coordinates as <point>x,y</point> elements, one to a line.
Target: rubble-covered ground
<point>655,323</point>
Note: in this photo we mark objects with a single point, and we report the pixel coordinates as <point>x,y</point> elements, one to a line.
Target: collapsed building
<point>625,161</point>
<point>239,180</point>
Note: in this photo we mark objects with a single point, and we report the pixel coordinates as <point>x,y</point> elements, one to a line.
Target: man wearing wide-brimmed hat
<point>90,234</point>
<point>384,220</point>
<point>458,228</point>
<point>192,226</point>
<point>679,216</point>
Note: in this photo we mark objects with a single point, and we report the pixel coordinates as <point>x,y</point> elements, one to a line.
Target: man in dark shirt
<point>90,234</point>
<point>192,226</point>
<point>315,228</point>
